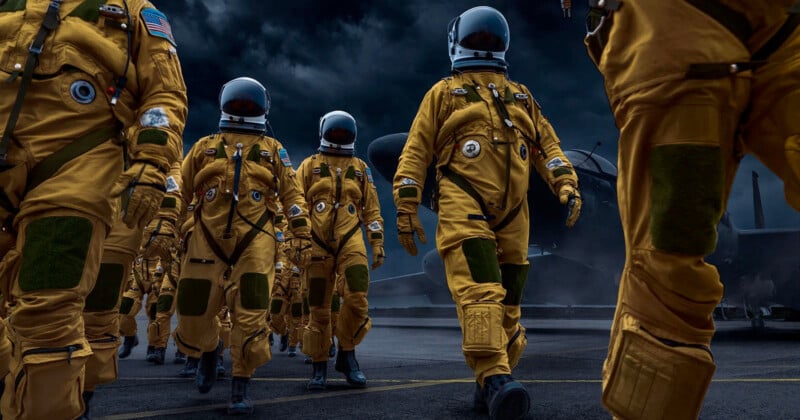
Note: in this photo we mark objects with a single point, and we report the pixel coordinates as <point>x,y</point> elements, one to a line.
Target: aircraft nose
<point>384,152</point>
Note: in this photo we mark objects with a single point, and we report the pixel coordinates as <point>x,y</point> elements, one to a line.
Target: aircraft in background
<point>759,267</point>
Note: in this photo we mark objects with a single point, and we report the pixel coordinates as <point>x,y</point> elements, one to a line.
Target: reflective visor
<point>339,128</point>
<point>243,108</point>
<point>339,135</point>
<point>487,33</point>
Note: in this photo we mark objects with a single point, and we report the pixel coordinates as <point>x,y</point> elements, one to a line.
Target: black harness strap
<point>48,166</point>
<point>779,38</point>
<point>462,183</point>
<point>732,20</point>
<point>241,245</point>
<point>346,237</point>
<point>508,219</point>
<point>51,21</point>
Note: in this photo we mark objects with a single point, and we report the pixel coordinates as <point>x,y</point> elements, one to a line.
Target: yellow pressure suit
<point>483,167</point>
<point>231,254</point>
<point>286,303</point>
<point>689,102</point>
<point>341,198</point>
<point>79,86</point>
<point>147,278</point>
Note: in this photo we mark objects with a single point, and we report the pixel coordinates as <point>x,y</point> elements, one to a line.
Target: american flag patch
<point>157,25</point>
<point>369,175</point>
<point>284,155</point>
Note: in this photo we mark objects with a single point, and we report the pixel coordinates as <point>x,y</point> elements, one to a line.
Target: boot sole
<point>512,403</point>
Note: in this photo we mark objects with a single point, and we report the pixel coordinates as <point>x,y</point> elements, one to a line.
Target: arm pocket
<point>169,70</point>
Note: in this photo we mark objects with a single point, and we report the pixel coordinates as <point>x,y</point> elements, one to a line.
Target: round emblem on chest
<point>82,92</point>
<point>471,148</point>
<point>523,152</point>
<point>320,207</point>
<point>211,194</point>
<point>256,195</point>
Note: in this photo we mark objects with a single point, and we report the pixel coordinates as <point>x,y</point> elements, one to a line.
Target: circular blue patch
<point>351,208</point>
<point>523,152</point>
<point>82,92</point>
<point>255,195</point>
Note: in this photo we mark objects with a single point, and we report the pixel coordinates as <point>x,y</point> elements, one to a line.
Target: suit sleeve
<point>551,163</point>
<point>162,107</point>
<point>371,213</point>
<point>291,195</point>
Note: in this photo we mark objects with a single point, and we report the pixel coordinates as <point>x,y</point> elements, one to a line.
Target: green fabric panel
<point>275,306</point>
<point>13,5</point>
<point>316,290</point>
<point>481,255</point>
<point>324,170</point>
<point>336,302</point>
<point>54,253</point>
<point>686,198</point>
<point>106,290</point>
<point>152,310</point>
<point>152,136</point>
<point>375,235</point>
<point>254,291</point>
<point>508,97</point>
<point>351,173</point>
<point>279,219</point>
<point>126,306</point>
<point>472,94</point>
<point>514,278</point>
<point>406,192</point>
<point>193,296</point>
<point>561,171</point>
<point>165,303</point>
<point>254,154</point>
<point>297,310</point>
<point>169,203</point>
<point>299,222</point>
<point>357,277</point>
<point>221,151</point>
<point>88,10</point>
<point>306,307</point>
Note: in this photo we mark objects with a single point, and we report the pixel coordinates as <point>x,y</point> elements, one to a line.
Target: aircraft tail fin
<point>757,207</point>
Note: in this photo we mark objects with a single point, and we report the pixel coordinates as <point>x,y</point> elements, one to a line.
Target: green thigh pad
<point>165,303</point>
<point>357,277</point>
<point>481,255</point>
<point>126,306</point>
<point>54,253</point>
<point>193,296</point>
<point>106,290</point>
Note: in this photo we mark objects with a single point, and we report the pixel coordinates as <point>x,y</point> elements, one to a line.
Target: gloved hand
<point>407,225</point>
<point>378,255</point>
<point>569,195</point>
<point>142,189</point>
<point>159,239</point>
<point>299,251</point>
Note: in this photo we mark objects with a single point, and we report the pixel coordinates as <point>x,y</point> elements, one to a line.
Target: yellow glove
<point>142,188</point>
<point>571,197</point>
<point>378,255</point>
<point>159,239</point>
<point>407,225</point>
<point>299,251</point>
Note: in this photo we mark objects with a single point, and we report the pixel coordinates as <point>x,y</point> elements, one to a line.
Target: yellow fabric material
<point>480,338</point>
<point>672,296</point>
<point>146,281</point>
<point>357,208</point>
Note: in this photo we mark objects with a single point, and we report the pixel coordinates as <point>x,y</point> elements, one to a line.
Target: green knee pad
<point>316,290</point>
<point>357,277</point>
<point>514,278</point>
<point>165,303</point>
<point>152,310</point>
<point>106,290</point>
<point>193,296</point>
<point>254,291</point>
<point>336,303</point>
<point>481,255</point>
<point>54,253</point>
<point>275,306</point>
<point>297,310</point>
<point>126,306</point>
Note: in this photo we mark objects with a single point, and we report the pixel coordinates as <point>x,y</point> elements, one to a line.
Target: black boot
<point>180,358</point>
<point>505,398</point>
<point>87,396</point>
<point>157,355</point>
<point>207,369</point>
<point>477,399</point>
<point>292,351</point>
<point>284,343</point>
<point>128,343</point>
<point>220,366</point>
<point>319,376</point>
<point>190,368</point>
<point>346,363</point>
<point>308,360</point>
<point>240,404</point>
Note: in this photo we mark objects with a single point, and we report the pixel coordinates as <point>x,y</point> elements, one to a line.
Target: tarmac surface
<point>415,370</point>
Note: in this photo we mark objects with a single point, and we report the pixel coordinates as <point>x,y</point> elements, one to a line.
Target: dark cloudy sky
<point>376,59</point>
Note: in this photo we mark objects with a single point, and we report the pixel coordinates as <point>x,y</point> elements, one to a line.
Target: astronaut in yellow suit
<point>72,86</point>
<point>342,198</point>
<point>286,303</point>
<point>238,176</point>
<point>689,104</point>
<point>486,133</point>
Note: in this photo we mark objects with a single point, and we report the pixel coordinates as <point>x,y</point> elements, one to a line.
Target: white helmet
<point>244,105</point>
<point>337,133</point>
<point>478,37</point>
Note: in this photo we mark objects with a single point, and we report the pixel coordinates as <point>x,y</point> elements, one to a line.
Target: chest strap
<point>51,21</point>
<point>255,229</point>
<point>465,186</point>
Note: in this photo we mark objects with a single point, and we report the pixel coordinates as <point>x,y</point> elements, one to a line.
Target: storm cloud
<point>376,60</point>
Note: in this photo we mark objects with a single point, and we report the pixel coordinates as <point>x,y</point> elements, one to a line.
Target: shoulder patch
<point>171,185</point>
<point>158,25</point>
<point>284,155</point>
<point>369,174</point>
